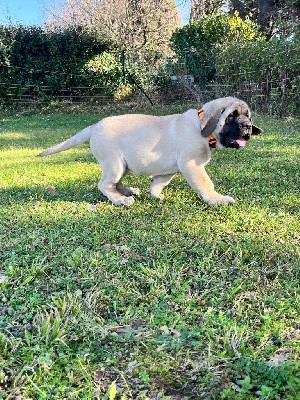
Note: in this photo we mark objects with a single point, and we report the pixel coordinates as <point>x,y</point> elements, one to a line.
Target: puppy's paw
<point>227,200</point>
<point>124,201</point>
<point>159,196</point>
<point>221,200</point>
<point>134,191</point>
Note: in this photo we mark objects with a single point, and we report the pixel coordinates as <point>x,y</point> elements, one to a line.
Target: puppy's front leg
<point>198,179</point>
<point>157,185</point>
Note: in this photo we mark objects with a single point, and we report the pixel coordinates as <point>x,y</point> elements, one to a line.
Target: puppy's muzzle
<point>239,138</point>
<point>246,132</point>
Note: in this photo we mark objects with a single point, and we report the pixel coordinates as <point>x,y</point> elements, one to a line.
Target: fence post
<point>123,61</point>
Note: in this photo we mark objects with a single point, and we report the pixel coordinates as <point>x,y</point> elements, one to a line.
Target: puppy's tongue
<point>241,142</point>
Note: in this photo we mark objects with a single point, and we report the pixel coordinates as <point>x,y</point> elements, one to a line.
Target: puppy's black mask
<point>238,129</point>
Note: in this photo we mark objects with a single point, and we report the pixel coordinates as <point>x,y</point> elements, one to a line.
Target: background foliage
<point>264,73</point>
<point>34,61</point>
<point>219,54</point>
<point>272,17</point>
<point>197,44</point>
<point>141,27</point>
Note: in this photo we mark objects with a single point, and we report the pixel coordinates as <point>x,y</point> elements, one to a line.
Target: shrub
<point>105,70</point>
<point>38,62</point>
<point>197,44</point>
<point>263,72</point>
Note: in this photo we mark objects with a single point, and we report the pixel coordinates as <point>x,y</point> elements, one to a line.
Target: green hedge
<point>196,45</point>
<point>265,73</point>
<point>46,64</point>
<point>229,56</point>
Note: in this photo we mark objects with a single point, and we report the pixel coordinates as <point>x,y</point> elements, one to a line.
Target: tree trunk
<point>239,6</point>
<point>265,15</point>
<point>197,10</point>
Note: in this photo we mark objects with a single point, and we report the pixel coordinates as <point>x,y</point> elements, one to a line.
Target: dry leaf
<point>51,190</point>
<point>175,332</point>
<point>268,310</point>
<point>137,324</point>
<point>122,331</point>
<point>161,347</point>
<point>99,376</point>
<point>234,344</point>
<point>270,258</point>
<point>17,397</point>
<point>165,330</point>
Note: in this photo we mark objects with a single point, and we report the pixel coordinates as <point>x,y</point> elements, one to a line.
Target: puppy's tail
<point>75,140</point>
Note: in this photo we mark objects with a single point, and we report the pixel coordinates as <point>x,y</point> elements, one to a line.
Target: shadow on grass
<point>262,189</point>
<point>81,190</point>
<point>70,190</point>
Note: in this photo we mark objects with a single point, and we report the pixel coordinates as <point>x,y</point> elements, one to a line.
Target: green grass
<point>161,300</point>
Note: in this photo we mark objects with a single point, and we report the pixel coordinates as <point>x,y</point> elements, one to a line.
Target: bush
<point>263,72</point>
<point>105,70</point>
<point>197,44</point>
<point>42,63</point>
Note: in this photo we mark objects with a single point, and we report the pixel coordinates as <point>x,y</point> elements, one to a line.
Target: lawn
<point>164,299</point>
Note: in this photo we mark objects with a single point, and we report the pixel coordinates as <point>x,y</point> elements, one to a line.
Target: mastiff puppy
<point>163,146</point>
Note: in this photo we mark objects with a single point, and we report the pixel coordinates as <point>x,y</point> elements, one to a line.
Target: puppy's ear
<point>256,130</point>
<point>209,119</point>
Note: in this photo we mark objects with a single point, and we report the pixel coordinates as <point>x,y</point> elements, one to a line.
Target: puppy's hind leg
<point>127,191</point>
<point>112,173</point>
<point>158,183</point>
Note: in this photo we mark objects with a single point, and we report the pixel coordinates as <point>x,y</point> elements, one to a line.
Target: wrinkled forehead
<point>244,110</point>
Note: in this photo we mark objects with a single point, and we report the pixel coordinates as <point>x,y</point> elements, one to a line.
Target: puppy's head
<point>229,120</point>
<point>238,128</point>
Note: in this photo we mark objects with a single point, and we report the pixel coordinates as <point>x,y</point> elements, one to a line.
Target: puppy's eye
<point>229,118</point>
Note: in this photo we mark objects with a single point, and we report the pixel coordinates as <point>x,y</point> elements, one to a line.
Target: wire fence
<point>267,78</point>
<point>18,87</point>
<point>269,95</point>
<point>273,89</point>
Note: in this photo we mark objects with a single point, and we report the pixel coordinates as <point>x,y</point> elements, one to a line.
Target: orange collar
<point>211,139</point>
